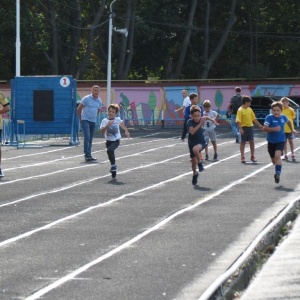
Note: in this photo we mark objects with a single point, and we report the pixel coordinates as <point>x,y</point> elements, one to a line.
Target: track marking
<point>138,237</point>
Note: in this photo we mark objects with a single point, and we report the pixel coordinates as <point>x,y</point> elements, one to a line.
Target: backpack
<point>236,103</point>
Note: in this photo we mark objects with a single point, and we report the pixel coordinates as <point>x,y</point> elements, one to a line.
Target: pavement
<point>280,275</point>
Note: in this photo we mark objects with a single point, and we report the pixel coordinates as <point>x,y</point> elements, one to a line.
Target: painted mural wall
<point>151,105</point>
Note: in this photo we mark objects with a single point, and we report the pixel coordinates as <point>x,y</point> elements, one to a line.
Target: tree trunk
<point>124,49</point>
<point>90,42</point>
<point>209,61</point>
<point>185,42</point>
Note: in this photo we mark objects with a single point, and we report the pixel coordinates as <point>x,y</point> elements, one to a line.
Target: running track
<point>68,231</point>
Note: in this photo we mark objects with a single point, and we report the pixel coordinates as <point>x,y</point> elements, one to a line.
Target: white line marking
<point>82,269</point>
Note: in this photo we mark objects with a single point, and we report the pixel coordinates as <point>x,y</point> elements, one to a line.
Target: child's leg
<point>251,144</point>
<point>285,148</point>
<point>291,142</point>
<point>277,162</point>
<point>214,143</point>
<point>196,150</point>
<point>242,148</point>
<point>111,147</point>
<point>194,165</point>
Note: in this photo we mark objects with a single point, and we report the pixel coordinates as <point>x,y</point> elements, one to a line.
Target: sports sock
<point>278,169</point>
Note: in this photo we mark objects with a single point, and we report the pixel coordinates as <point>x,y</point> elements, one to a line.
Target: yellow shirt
<point>245,116</point>
<point>290,113</point>
<point>3,102</point>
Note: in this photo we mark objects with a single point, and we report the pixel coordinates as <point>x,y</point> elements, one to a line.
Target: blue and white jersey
<point>276,136</point>
<point>91,108</point>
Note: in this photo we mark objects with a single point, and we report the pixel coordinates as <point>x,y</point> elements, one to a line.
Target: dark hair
<point>238,89</point>
<point>194,108</point>
<point>114,106</point>
<point>193,95</point>
<point>277,103</point>
<point>245,99</point>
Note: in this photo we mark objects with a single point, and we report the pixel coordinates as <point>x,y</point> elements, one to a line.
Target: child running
<point>196,140</point>
<point>245,118</point>
<point>274,126</point>
<point>290,113</point>
<point>209,127</point>
<point>110,126</point>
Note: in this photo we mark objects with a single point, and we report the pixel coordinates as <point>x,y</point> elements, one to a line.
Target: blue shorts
<point>191,146</point>
<point>290,136</point>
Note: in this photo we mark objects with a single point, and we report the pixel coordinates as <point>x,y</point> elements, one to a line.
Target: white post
<point>18,43</point>
<point>109,55</point>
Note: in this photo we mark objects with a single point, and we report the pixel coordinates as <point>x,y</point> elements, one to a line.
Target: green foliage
<point>264,41</point>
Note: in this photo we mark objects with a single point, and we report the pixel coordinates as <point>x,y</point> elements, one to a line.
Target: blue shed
<point>46,104</point>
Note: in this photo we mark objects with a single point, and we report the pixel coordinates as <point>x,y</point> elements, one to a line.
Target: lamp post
<point>110,29</point>
<point>18,43</point>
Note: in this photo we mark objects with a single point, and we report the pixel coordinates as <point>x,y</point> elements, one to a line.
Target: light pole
<point>18,43</point>
<point>110,29</point>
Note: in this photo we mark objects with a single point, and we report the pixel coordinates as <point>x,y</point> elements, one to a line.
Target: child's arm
<point>103,129</point>
<point>125,129</point>
<point>210,119</point>
<point>289,123</point>
<point>271,129</point>
<point>193,130</point>
<point>258,124</point>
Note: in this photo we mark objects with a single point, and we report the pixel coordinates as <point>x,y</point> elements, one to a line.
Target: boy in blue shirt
<point>196,140</point>
<point>274,126</point>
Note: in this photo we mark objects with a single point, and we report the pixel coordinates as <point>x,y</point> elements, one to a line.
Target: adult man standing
<point>186,102</point>
<point>88,110</point>
<point>234,104</point>
<point>4,108</point>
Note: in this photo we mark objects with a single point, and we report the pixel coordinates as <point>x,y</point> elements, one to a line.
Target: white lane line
<point>84,166</point>
<point>26,234</point>
<point>69,147</point>
<point>75,184</point>
<point>135,239</point>
<point>75,156</point>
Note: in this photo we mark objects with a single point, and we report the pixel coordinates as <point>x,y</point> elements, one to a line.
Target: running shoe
<point>195,178</point>
<point>253,159</point>
<point>113,171</point>
<point>93,158</point>
<point>277,178</point>
<point>215,156</point>
<point>1,173</point>
<point>243,160</point>
<point>200,166</point>
<point>206,157</point>
<point>293,157</point>
<point>285,157</point>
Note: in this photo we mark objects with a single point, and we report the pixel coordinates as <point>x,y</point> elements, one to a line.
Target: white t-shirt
<point>113,131</point>
<point>209,125</point>
<point>186,101</point>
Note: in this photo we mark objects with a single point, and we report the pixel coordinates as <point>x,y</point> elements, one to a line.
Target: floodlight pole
<point>108,100</point>
<point>18,43</point>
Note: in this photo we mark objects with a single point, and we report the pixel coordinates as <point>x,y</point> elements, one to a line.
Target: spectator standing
<point>4,108</point>
<point>245,118</point>
<point>88,110</point>
<point>234,104</point>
